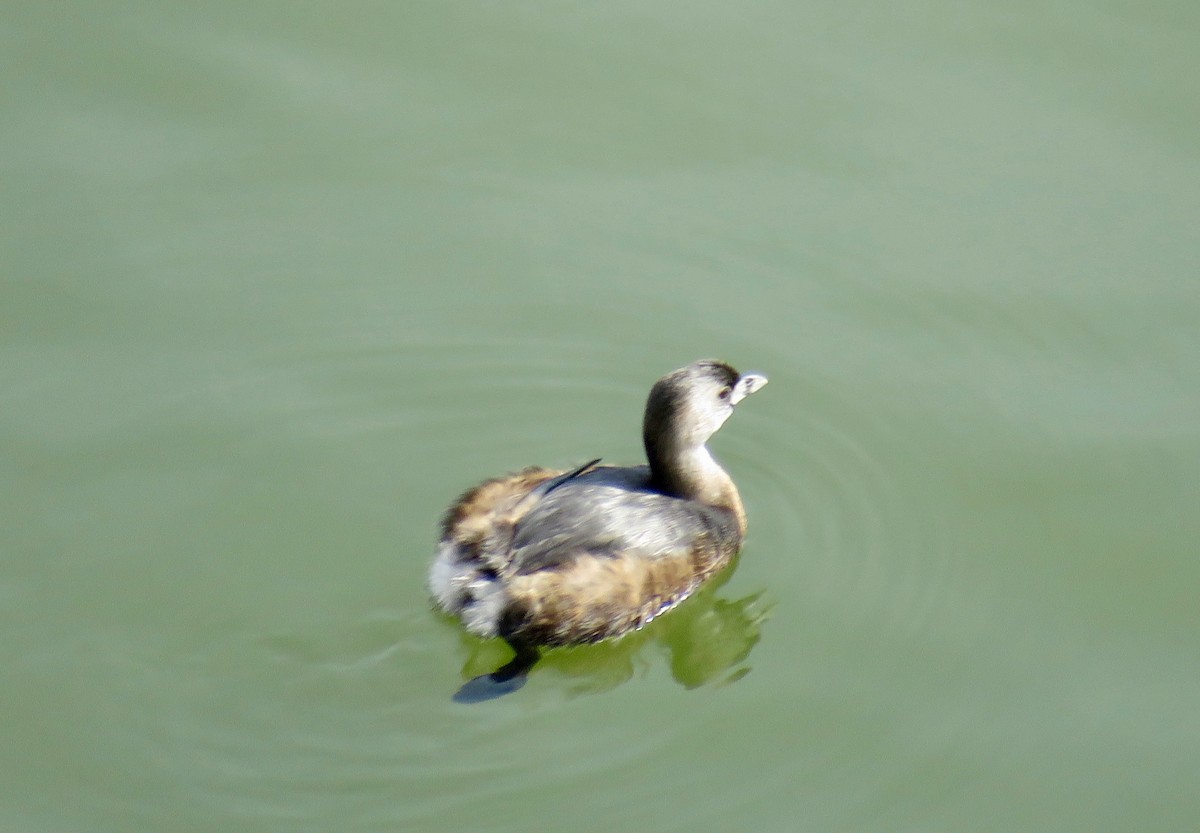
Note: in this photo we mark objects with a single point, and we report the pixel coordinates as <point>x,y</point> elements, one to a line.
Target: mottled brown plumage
<point>545,557</point>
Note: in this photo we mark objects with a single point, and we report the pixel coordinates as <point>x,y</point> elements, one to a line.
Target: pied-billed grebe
<point>546,557</point>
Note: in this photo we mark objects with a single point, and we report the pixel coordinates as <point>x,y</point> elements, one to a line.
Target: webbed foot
<point>504,680</point>
<point>487,687</point>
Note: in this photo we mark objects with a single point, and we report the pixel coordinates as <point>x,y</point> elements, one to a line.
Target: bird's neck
<point>692,473</point>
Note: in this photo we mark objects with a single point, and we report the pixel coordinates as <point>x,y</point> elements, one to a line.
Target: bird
<point>548,557</point>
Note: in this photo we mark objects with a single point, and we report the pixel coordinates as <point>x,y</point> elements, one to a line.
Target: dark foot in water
<point>504,680</point>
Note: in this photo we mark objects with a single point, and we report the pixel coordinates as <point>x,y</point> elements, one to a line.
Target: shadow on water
<point>707,640</point>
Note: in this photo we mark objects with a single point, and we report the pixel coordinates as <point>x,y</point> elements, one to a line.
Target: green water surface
<point>280,280</point>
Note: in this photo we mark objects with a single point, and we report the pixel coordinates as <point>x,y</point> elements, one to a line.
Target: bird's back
<point>616,512</point>
<point>604,553</point>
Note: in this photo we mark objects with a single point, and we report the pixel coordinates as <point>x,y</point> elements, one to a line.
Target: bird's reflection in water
<point>707,639</point>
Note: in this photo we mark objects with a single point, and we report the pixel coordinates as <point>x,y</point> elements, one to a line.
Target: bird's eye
<point>725,391</point>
